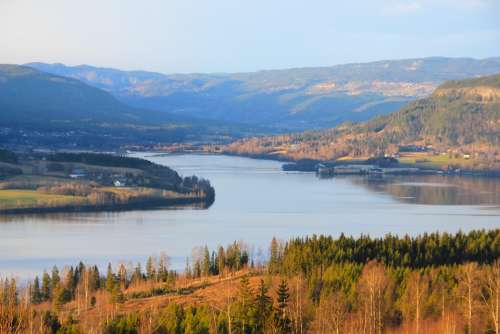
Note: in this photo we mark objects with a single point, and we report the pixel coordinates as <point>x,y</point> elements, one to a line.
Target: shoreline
<point>290,165</point>
<point>269,157</point>
<point>203,203</point>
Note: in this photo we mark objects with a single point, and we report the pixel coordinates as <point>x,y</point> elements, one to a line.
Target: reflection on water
<point>436,189</point>
<point>255,201</point>
<point>87,216</point>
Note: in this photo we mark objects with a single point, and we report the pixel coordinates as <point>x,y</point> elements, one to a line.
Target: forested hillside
<point>461,117</point>
<point>432,283</point>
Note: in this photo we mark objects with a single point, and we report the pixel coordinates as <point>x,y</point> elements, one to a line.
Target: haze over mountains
<point>45,109</point>
<point>28,95</point>
<point>460,116</point>
<point>286,100</point>
<point>148,108</point>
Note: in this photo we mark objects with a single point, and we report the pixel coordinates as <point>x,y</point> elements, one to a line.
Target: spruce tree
<point>110,279</point>
<point>197,269</point>
<point>206,262</point>
<point>221,260</point>
<point>55,279</point>
<point>122,275</point>
<point>150,268</point>
<point>281,320</point>
<point>213,264</point>
<point>95,279</point>
<point>46,286</point>
<point>36,295</point>
<point>187,270</point>
<point>274,256</point>
<point>245,307</point>
<point>263,306</point>
<point>137,275</point>
<point>163,267</point>
<point>79,271</point>
<point>69,281</point>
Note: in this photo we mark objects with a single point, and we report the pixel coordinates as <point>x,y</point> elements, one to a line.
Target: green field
<point>14,198</point>
<point>425,160</point>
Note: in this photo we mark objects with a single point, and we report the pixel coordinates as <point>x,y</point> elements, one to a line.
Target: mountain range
<point>39,108</point>
<point>460,116</point>
<point>283,100</point>
<point>48,104</point>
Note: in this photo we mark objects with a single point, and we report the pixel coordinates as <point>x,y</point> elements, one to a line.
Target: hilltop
<point>28,95</point>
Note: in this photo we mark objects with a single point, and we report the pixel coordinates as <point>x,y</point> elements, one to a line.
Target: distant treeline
<point>427,250</point>
<point>101,159</point>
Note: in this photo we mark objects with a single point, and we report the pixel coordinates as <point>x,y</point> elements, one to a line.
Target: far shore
<point>291,165</point>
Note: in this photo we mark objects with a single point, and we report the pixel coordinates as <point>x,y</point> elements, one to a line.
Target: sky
<point>186,36</point>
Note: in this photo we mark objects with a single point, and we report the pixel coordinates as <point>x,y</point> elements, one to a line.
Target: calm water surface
<point>255,201</point>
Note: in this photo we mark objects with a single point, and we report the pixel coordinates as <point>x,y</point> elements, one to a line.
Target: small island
<point>47,182</point>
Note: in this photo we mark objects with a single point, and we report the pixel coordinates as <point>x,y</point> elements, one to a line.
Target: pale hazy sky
<point>243,35</point>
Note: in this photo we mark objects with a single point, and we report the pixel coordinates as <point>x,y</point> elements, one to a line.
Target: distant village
<point>117,180</point>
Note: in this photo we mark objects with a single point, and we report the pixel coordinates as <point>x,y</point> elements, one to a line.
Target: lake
<point>255,200</point>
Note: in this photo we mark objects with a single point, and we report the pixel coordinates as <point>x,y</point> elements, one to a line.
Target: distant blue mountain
<point>39,108</point>
<point>292,99</point>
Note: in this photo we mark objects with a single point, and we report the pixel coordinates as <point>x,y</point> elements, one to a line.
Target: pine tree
<point>282,322</point>
<point>36,295</point>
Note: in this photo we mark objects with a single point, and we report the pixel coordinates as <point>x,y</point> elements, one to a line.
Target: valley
<point>456,127</point>
<point>286,100</point>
